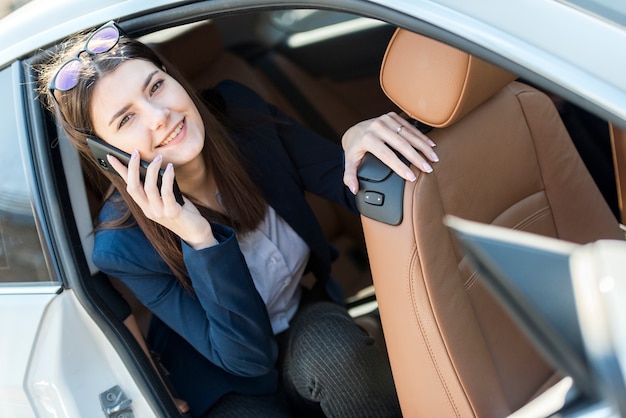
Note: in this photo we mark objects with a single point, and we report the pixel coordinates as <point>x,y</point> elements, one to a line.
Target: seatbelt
<point>300,103</point>
<point>618,146</point>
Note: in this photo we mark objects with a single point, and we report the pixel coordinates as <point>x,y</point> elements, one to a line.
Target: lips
<point>172,135</point>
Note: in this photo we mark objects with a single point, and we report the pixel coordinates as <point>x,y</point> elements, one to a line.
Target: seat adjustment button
<point>374,198</point>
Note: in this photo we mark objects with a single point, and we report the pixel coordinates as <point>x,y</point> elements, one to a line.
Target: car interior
<point>440,323</point>
<point>506,158</point>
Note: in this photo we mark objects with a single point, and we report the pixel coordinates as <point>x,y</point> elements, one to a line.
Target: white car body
<point>56,358</point>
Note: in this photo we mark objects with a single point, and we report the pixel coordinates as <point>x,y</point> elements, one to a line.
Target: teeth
<point>173,135</point>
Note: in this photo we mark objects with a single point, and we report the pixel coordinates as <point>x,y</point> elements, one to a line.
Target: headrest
<point>434,82</point>
<point>192,48</point>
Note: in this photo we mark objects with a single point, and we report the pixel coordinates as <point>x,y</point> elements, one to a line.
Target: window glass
<point>9,6</point>
<point>612,10</point>
<point>21,255</point>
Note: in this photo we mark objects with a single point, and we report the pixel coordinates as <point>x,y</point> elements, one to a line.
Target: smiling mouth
<point>173,135</point>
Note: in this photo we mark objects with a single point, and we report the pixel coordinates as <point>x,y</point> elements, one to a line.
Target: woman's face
<point>139,106</point>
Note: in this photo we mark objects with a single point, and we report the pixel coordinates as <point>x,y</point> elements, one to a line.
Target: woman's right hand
<point>160,206</point>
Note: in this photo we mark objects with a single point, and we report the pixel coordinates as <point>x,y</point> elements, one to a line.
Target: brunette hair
<point>244,205</point>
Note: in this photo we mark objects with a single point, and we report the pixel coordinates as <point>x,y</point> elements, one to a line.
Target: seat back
<point>505,159</point>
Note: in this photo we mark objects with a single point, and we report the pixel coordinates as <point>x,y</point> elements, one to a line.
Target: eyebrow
<point>123,110</point>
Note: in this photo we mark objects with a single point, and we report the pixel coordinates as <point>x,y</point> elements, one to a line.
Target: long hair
<point>243,203</point>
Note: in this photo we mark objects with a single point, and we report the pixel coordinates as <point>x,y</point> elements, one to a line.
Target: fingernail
<point>410,176</point>
<point>169,167</point>
<point>353,189</point>
<point>432,144</point>
<point>434,157</point>
<point>134,155</point>
<point>158,158</point>
<point>426,167</point>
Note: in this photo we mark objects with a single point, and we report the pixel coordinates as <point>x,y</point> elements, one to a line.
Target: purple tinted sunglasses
<point>102,40</point>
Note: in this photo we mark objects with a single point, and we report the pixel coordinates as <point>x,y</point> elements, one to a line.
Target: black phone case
<point>100,149</point>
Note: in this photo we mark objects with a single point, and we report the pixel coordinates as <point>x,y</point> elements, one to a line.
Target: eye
<point>123,121</point>
<point>157,85</point>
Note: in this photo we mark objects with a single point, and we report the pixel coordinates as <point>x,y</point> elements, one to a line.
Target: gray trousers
<point>330,367</point>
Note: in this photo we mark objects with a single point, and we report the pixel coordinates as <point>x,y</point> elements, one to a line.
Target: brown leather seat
<point>505,159</point>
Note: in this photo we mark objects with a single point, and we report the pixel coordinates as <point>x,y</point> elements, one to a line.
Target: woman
<point>221,272</point>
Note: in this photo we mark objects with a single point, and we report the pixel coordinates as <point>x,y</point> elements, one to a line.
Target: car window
<point>9,6</point>
<point>613,11</point>
<point>21,255</point>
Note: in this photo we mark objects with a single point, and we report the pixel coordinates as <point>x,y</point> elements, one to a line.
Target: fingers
<point>150,186</point>
<point>410,142</point>
<point>121,169</point>
<point>349,175</point>
<point>130,175</point>
<point>152,193</point>
<point>412,130</point>
<point>159,203</point>
<point>133,178</point>
<point>382,136</point>
<point>167,186</point>
<point>182,405</point>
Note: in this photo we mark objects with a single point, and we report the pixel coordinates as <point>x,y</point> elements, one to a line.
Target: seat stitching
<point>518,97</point>
<point>524,223</point>
<point>417,317</point>
<point>521,225</point>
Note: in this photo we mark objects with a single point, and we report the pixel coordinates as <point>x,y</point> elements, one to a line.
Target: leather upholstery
<point>505,159</point>
<point>439,85</point>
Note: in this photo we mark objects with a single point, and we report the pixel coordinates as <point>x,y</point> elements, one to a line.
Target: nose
<point>158,115</point>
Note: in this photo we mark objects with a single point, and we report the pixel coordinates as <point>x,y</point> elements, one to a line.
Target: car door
<point>55,361</point>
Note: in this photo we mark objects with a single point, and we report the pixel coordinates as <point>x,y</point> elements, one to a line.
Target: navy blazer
<point>222,339</point>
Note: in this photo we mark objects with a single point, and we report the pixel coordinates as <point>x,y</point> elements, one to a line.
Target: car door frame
<point>68,294</point>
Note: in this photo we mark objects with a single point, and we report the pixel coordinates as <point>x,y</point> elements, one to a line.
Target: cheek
<point>130,140</point>
<point>197,114</point>
<point>195,117</point>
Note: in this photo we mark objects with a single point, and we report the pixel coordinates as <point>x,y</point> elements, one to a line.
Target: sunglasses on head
<point>102,40</point>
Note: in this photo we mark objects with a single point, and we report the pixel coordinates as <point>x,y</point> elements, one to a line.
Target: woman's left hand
<point>181,405</point>
<point>380,136</point>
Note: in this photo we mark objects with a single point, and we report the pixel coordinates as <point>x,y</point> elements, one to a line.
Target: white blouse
<point>276,257</point>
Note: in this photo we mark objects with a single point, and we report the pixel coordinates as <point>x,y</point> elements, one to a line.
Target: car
<point>63,351</point>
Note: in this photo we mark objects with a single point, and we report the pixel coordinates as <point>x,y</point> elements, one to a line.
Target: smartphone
<point>100,149</point>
